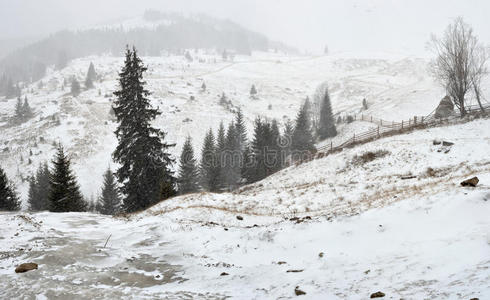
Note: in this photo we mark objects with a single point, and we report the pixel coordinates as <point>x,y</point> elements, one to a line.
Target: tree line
<point>30,63</point>
<point>145,174</point>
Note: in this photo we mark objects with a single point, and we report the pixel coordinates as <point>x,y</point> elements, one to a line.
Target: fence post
<point>378,131</point>
<point>402,124</point>
<point>381,121</point>
<point>362,117</point>
<point>354,138</point>
<point>331,145</point>
<point>422,120</point>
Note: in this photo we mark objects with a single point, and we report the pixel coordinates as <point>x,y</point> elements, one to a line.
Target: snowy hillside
<point>395,88</point>
<point>340,227</point>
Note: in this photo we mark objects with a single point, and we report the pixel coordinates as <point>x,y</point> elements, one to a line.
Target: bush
<point>368,157</point>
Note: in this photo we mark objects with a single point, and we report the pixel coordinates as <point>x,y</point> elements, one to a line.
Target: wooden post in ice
<point>378,131</point>
<point>415,120</point>
<point>354,138</point>
<point>402,124</point>
<point>331,145</point>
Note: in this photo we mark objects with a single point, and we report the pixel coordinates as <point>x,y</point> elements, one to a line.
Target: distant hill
<point>154,33</point>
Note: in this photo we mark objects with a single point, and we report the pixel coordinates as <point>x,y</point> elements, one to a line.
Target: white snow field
<point>334,228</point>
<point>396,87</point>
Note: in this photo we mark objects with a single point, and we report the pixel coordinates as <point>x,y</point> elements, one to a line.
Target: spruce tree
<point>231,159</point>
<point>302,139</point>
<point>326,127</point>
<point>188,178</point>
<point>220,153</point>
<point>241,130</point>
<point>75,87</point>
<point>26,109</point>
<point>287,138</point>
<point>39,185</point>
<point>43,186</point>
<point>18,114</point>
<point>109,201</point>
<point>9,200</point>
<point>91,76</point>
<point>253,91</point>
<point>65,195</point>
<point>223,101</point>
<point>32,196</point>
<point>260,143</point>
<point>274,148</point>
<point>208,169</point>
<point>145,175</point>
<point>248,167</point>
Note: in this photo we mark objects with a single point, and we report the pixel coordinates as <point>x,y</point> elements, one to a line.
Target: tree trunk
<point>477,94</point>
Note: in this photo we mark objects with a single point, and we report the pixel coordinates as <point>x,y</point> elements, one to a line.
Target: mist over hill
<point>154,34</point>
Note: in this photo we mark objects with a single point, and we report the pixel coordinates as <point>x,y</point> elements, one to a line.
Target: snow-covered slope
<point>329,228</point>
<point>395,88</point>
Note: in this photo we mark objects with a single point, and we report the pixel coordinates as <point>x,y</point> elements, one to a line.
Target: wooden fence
<point>389,128</point>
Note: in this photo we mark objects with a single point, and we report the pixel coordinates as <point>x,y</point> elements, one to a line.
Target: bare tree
<point>460,63</point>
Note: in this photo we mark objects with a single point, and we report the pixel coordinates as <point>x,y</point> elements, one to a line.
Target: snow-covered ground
<point>334,228</point>
<point>395,87</point>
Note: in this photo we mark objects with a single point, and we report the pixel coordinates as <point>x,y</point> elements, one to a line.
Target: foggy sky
<point>344,25</point>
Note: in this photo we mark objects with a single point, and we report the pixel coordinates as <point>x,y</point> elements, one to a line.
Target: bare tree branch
<point>460,63</point>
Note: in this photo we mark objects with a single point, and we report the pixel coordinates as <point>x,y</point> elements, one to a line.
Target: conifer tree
<point>188,178</point>
<point>91,76</point>
<point>75,87</point>
<point>145,175</point>
<point>260,148</point>
<point>223,101</point>
<point>302,139</point>
<point>39,186</point>
<point>326,127</point>
<point>18,116</point>
<point>208,169</point>
<point>275,158</point>
<point>32,194</point>
<point>220,152</point>
<point>248,167</point>
<point>43,185</point>
<point>9,200</point>
<point>109,201</point>
<point>253,91</point>
<point>64,193</point>
<point>231,159</point>
<point>26,109</point>
<point>241,130</point>
<point>287,137</point>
